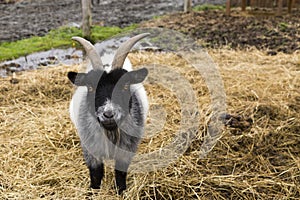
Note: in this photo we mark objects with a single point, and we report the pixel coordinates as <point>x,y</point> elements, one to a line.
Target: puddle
<point>160,40</point>
<point>46,58</point>
<point>55,57</point>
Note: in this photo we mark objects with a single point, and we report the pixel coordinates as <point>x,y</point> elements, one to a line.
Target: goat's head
<point>109,93</point>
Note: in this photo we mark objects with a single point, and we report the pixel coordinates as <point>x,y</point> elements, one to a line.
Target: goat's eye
<point>126,87</point>
<point>90,89</point>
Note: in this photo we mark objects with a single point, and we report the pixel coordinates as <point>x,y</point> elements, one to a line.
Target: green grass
<point>208,7</point>
<point>283,26</point>
<point>58,38</point>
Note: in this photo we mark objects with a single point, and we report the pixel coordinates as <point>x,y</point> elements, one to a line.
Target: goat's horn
<point>124,49</point>
<point>91,52</point>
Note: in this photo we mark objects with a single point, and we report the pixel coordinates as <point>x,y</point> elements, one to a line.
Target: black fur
<point>96,175</point>
<point>103,85</point>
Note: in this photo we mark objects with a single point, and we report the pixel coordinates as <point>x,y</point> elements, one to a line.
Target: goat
<point>109,110</point>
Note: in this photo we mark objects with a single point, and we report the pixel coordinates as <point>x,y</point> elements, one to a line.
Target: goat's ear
<point>77,79</point>
<point>137,76</point>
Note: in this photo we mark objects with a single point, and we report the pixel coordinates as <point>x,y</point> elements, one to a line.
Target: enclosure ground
<point>212,28</point>
<point>40,154</point>
<point>241,30</point>
<point>37,17</point>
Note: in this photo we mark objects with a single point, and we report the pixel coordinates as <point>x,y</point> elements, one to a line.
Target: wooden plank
<point>228,3</point>
<point>243,5</point>
<point>279,7</point>
<point>252,3</point>
<point>291,4</point>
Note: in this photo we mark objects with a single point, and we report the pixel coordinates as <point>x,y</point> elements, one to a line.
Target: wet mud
<point>27,18</point>
<point>214,29</point>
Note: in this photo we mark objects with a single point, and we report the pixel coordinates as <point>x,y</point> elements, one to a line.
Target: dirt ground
<point>36,17</point>
<point>239,31</point>
<point>212,28</point>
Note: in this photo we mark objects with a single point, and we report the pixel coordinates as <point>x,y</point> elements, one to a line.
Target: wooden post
<point>187,5</point>
<point>243,5</point>
<point>228,3</point>
<point>291,4</point>
<point>279,7</point>
<point>86,18</point>
<point>252,3</point>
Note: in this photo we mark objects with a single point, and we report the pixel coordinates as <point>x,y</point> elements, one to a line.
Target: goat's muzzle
<point>108,119</point>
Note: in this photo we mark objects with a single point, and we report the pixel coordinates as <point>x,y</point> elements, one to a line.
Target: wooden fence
<point>278,5</point>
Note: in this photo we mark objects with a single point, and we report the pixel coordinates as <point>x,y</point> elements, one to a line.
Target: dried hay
<point>41,155</point>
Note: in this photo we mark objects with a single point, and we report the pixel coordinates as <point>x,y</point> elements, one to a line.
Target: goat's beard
<point>109,125</point>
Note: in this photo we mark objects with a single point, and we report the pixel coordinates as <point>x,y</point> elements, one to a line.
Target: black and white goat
<point>109,110</point>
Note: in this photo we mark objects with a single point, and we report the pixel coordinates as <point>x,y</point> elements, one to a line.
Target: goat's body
<point>99,143</point>
<point>109,110</point>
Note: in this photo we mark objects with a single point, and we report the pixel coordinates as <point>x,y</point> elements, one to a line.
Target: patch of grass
<point>55,38</point>
<point>283,26</point>
<point>60,37</point>
<point>100,33</point>
<point>158,16</point>
<point>208,7</point>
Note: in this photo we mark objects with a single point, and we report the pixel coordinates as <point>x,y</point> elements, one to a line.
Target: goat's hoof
<point>121,190</point>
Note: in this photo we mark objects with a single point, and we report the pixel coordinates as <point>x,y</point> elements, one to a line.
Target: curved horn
<point>124,49</point>
<point>91,52</point>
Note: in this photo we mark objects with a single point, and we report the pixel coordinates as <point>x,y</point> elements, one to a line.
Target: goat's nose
<point>108,114</point>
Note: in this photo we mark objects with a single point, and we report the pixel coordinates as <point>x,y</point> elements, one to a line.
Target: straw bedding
<point>41,155</point>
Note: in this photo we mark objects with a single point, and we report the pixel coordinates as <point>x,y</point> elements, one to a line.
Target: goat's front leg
<point>121,168</point>
<point>96,175</point>
<point>96,168</point>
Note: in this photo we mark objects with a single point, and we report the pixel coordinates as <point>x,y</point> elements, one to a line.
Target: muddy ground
<point>214,29</point>
<point>240,30</point>
<point>36,17</point>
